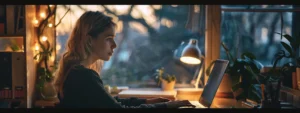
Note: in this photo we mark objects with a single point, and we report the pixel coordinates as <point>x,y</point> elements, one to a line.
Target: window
<point>146,39</point>
<point>252,28</point>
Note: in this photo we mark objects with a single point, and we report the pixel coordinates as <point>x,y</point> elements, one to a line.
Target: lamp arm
<point>198,78</point>
<point>200,74</point>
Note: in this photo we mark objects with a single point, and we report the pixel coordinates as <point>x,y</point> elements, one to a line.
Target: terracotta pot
<point>298,77</point>
<point>224,89</point>
<point>167,86</point>
<point>226,84</point>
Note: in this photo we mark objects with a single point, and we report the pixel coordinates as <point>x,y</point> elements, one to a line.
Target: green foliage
<point>14,46</point>
<point>169,78</point>
<point>43,76</point>
<point>161,74</point>
<point>46,54</point>
<point>277,75</point>
<point>246,68</point>
<point>291,53</point>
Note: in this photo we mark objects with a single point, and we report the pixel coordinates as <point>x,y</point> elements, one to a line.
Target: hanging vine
<point>44,71</point>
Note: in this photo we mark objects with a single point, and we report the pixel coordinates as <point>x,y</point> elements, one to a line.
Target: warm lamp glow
<point>50,25</point>
<point>191,54</point>
<point>44,38</point>
<point>50,5</point>
<point>190,60</point>
<point>43,15</point>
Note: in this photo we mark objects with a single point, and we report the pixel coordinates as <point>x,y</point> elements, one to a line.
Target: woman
<point>78,81</point>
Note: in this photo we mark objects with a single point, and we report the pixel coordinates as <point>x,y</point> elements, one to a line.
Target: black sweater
<point>83,88</point>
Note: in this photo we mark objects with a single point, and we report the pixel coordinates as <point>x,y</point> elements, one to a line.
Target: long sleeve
<point>85,90</point>
<point>130,101</point>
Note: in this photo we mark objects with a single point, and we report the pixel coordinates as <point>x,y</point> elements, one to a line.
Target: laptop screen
<point>213,82</point>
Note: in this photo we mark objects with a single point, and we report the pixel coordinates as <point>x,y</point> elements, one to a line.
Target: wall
<point>31,64</point>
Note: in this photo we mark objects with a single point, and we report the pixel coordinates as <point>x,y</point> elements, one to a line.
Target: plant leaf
<point>248,54</point>
<point>236,86</point>
<point>287,47</point>
<point>230,57</point>
<point>288,37</point>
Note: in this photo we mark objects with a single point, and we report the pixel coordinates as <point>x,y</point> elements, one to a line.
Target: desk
<point>147,93</point>
<point>173,95</point>
<point>184,94</point>
<point>46,103</point>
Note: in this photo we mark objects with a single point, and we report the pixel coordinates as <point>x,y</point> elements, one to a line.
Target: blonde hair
<point>89,25</point>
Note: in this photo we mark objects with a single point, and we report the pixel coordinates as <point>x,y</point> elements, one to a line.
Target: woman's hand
<point>179,103</point>
<point>156,100</point>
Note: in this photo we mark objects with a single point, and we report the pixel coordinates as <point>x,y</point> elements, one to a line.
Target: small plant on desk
<point>167,81</point>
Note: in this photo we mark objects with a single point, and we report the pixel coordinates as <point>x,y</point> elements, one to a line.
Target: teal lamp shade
<point>191,54</point>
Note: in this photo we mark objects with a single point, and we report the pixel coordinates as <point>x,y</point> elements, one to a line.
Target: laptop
<point>212,85</point>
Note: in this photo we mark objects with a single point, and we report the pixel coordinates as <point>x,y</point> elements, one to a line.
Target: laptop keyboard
<point>195,103</point>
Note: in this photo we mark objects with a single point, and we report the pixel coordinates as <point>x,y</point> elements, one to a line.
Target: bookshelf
<point>13,43</point>
<point>12,28</point>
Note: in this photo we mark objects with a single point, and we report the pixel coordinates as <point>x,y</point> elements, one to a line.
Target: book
<point>2,19</point>
<point>2,28</point>
<point>10,19</point>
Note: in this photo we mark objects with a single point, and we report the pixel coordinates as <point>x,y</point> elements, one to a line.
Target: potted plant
<point>45,84</point>
<point>289,52</point>
<point>278,76</point>
<point>242,75</point>
<point>167,81</point>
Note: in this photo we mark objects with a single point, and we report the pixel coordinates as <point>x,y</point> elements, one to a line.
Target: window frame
<point>211,42</point>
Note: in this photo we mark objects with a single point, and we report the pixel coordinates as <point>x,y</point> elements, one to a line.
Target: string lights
<point>44,48</point>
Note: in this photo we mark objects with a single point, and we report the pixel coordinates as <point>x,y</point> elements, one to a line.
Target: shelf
<point>11,36</point>
<point>12,100</point>
<point>290,90</point>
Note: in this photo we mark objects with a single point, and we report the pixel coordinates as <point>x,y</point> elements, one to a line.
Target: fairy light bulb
<point>58,47</point>
<point>52,58</point>
<point>36,47</point>
<point>44,38</point>
<point>35,22</point>
<point>43,15</point>
<point>50,25</point>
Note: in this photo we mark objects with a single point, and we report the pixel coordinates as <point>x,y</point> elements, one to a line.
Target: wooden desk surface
<point>147,93</point>
<point>157,92</point>
<point>46,103</point>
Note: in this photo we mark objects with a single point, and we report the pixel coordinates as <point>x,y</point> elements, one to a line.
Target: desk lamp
<point>191,54</point>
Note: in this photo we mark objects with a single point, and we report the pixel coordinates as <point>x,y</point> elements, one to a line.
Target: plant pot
<point>48,91</point>
<point>167,86</point>
<point>225,87</point>
<point>298,77</point>
<point>226,84</point>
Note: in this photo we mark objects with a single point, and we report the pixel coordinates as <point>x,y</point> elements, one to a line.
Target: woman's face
<point>103,45</point>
